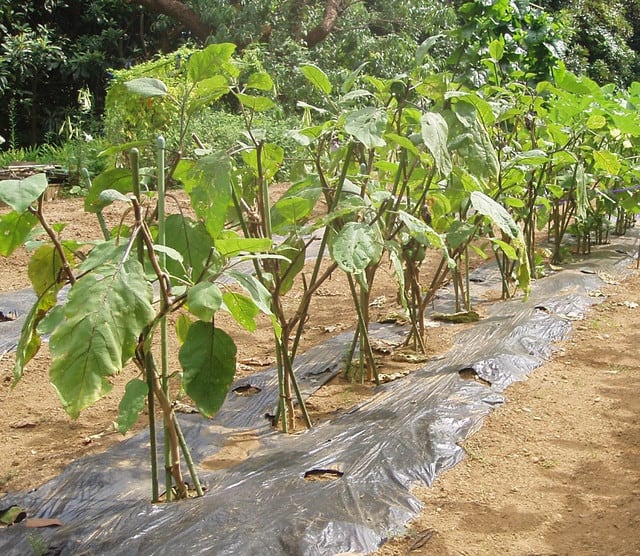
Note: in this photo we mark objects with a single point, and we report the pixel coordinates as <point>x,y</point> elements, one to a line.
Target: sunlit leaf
<point>203,300</point>
<point>242,309</point>
<point>355,247</point>
<point>260,80</point>
<point>104,316</point>
<point>147,87</point>
<point>15,228</point>
<point>435,133</point>
<point>367,125</point>
<point>21,194</point>
<point>255,103</point>
<point>317,78</point>
<point>208,183</point>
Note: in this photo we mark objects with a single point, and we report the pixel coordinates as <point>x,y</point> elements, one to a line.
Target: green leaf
<point>460,233</point>
<point>596,121</point>
<point>434,134</point>
<point>257,104</point>
<point>15,228</point>
<point>208,62</point>
<point>104,252</point>
<point>118,179</point>
<point>260,295</point>
<point>194,244</point>
<point>183,323</point>
<point>232,245</point>
<point>271,157</point>
<point>105,313</point>
<point>425,235</point>
<point>208,91</point>
<point>147,87</point>
<point>21,194</point>
<point>45,271</point>
<point>496,212</point>
<point>355,247</point>
<point>203,300</point>
<point>317,78</point>
<point>208,183</point>
<point>261,81</point>
<point>607,161</point>
<point>294,250</point>
<point>208,359</point>
<point>242,309</point>
<point>403,142</point>
<point>110,196</point>
<point>507,249</point>
<point>29,342</point>
<point>496,50</point>
<point>367,125</point>
<point>131,404</point>
<point>469,137</point>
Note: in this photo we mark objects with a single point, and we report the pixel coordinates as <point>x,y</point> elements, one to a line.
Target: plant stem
<point>187,456</point>
<point>153,441</point>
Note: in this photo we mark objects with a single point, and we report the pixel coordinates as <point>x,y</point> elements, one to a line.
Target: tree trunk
<point>181,13</point>
<point>333,9</point>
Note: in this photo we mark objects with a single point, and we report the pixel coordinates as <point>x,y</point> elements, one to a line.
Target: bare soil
<point>555,470</point>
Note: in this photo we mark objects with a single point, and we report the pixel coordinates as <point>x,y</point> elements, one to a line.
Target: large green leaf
<point>356,246</point>
<point>260,295</point>
<point>147,87</point>
<point>193,242</point>
<point>104,252</point>
<point>119,179</point>
<point>208,359</point>
<point>294,250</point>
<point>207,91</point>
<point>271,158</point>
<point>131,404</point>
<point>105,313</point>
<point>435,132</point>
<point>232,244</point>
<point>317,78</point>
<point>208,184</point>
<point>496,213</point>
<point>255,103</point>
<point>21,194</point>
<point>260,81</point>
<point>203,300</point>
<point>15,228</point>
<point>208,62</point>
<point>607,161</point>
<point>469,137</point>
<point>367,125</point>
<point>242,309</point>
<point>45,271</point>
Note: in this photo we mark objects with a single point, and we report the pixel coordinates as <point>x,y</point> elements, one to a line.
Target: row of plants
<point>381,170</point>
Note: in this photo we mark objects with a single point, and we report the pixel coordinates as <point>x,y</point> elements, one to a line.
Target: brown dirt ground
<point>553,471</point>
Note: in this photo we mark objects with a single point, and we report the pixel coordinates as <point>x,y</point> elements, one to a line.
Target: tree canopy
<point>51,49</point>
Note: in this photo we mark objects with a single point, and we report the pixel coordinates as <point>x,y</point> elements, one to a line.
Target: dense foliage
<point>52,49</point>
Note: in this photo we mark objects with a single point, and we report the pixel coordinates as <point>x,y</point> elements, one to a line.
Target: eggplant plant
<point>116,299</point>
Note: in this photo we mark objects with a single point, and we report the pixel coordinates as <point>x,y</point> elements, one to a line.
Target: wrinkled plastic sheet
<point>370,456</point>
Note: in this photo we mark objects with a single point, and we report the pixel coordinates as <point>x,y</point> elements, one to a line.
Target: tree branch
<point>181,13</point>
<point>333,9</point>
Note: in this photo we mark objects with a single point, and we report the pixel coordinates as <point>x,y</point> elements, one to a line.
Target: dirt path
<point>556,470</point>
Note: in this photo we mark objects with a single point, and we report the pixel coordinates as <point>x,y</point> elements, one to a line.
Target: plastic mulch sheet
<point>342,486</point>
